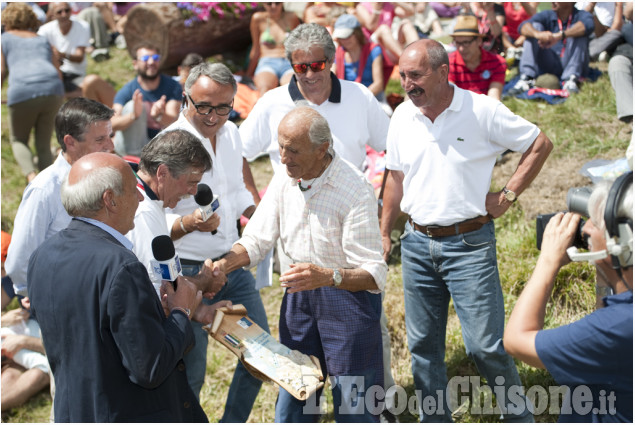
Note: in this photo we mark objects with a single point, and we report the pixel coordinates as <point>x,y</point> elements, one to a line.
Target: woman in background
<point>268,65</point>
<point>35,90</point>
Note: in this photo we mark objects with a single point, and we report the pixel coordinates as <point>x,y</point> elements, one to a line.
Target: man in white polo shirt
<point>354,115</point>
<point>441,149</point>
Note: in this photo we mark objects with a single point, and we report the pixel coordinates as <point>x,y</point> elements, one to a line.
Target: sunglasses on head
<point>302,68</point>
<point>154,57</point>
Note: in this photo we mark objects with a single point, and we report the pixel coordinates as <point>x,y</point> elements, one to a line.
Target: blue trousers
<point>239,289</point>
<point>536,61</point>
<point>464,268</point>
<point>341,329</point>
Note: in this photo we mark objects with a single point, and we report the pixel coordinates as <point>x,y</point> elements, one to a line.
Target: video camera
<point>577,202</point>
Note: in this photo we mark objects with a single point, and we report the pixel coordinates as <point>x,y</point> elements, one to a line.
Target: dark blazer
<point>114,355</point>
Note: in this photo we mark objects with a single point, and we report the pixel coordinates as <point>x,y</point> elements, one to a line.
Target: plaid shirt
<point>332,225</point>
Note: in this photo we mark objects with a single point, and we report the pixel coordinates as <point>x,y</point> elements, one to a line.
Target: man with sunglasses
<point>208,99</point>
<point>145,105</point>
<point>354,115</point>
<point>471,66</point>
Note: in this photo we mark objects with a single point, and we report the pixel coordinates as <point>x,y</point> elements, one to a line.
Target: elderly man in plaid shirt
<point>325,213</point>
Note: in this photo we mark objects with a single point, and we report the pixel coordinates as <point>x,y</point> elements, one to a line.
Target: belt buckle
<point>428,228</point>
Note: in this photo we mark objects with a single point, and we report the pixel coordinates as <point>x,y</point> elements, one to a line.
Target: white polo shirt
<point>448,164</point>
<point>354,116</point>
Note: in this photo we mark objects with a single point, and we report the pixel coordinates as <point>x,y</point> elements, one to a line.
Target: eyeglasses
<point>464,43</point>
<point>302,68</point>
<point>60,11</point>
<point>154,57</point>
<point>221,110</point>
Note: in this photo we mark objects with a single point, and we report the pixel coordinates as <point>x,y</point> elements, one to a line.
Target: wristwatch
<point>510,195</point>
<point>337,278</point>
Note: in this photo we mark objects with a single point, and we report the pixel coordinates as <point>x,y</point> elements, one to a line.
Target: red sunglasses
<point>302,68</point>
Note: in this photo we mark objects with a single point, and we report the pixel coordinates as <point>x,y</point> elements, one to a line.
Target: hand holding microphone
<point>207,203</point>
<point>167,266</point>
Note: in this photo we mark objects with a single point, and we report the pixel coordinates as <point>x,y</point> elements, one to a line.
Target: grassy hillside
<point>582,128</point>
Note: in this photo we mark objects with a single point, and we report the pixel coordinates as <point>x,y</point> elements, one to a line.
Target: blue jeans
<point>536,61</point>
<point>464,268</point>
<point>239,289</point>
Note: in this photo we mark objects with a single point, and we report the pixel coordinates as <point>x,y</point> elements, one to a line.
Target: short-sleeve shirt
<point>78,36</point>
<point>355,117</point>
<point>596,352</point>
<point>491,70</point>
<point>448,164</point>
<point>167,86</point>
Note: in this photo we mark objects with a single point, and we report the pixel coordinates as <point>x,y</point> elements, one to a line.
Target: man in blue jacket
<point>115,350</point>
<point>557,43</point>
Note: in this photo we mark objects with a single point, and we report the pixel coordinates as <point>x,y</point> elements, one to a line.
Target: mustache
<point>415,92</point>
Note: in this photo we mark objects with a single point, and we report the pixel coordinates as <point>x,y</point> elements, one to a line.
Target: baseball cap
<point>345,25</point>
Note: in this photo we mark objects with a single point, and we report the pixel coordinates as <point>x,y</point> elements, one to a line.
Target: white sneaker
<point>521,86</point>
<point>571,85</point>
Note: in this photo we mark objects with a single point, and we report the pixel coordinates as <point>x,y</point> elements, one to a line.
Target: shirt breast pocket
<point>326,235</point>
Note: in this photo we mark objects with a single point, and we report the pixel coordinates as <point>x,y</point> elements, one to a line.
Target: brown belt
<point>466,226</point>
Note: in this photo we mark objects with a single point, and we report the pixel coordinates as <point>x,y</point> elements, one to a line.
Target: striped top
<point>491,69</point>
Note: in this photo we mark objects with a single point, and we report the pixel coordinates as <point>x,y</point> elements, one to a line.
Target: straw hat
<point>466,25</point>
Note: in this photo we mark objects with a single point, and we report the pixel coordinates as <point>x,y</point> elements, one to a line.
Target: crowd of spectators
<point>311,55</point>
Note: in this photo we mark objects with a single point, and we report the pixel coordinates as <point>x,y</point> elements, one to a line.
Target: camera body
<point>577,202</point>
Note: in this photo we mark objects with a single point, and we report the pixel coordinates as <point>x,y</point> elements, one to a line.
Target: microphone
<point>166,264</point>
<point>207,202</point>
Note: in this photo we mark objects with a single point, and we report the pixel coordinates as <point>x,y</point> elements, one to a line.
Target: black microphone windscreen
<point>204,194</point>
<point>163,248</point>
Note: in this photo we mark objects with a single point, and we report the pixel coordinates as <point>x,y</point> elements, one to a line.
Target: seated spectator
<point>188,62</point>
<point>376,19</point>
<point>70,38</point>
<point>268,66</point>
<point>324,13</point>
<point>557,43</point>
<point>446,9</point>
<point>25,369</point>
<point>596,352</point>
<point>146,104</point>
<point>491,18</point>
<point>515,13</point>
<point>93,15</point>
<point>356,59</point>
<point>471,66</point>
<point>35,88</point>
<point>425,20</point>
<point>621,76</point>
<point>608,19</point>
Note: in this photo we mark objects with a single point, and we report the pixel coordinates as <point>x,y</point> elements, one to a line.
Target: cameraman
<point>597,350</point>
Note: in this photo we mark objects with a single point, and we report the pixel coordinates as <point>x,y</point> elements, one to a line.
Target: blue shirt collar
<point>106,228</point>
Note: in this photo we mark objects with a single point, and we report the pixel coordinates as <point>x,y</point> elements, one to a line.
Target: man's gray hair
<point>216,71</point>
<point>180,150</point>
<point>84,198</point>
<point>597,203</point>
<point>437,55</point>
<point>306,36</point>
<point>319,130</point>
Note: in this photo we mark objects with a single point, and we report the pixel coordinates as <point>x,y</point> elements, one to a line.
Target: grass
<point>584,127</point>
